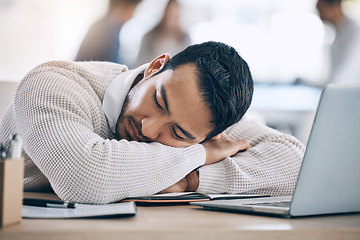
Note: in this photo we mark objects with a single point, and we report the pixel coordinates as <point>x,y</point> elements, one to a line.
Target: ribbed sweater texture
<point>69,147</point>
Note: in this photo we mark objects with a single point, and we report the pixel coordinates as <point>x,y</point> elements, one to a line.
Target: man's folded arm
<point>270,166</point>
<point>57,124</point>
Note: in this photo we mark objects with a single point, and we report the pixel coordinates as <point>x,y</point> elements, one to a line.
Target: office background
<point>284,42</point>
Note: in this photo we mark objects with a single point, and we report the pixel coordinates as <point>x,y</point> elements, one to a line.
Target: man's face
<point>167,108</point>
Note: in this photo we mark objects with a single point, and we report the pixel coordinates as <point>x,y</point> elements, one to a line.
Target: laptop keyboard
<point>272,204</point>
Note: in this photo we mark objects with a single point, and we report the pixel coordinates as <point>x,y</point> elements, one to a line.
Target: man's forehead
<point>188,68</point>
<point>182,97</point>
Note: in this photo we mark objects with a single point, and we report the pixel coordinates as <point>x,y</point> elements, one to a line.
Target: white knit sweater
<point>68,144</point>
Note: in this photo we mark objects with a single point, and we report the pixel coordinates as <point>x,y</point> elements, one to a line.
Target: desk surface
<point>187,222</point>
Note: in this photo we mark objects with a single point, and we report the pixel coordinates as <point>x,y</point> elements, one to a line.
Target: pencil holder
<point>11,190</point>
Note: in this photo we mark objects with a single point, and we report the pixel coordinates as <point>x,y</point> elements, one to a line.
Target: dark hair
<point>224,80</point>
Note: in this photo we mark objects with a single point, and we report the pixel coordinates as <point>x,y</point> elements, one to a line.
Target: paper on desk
<point>189,197</point>
<point>81,211</point>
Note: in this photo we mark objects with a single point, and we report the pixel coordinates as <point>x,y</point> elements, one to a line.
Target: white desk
<point>185,222</point>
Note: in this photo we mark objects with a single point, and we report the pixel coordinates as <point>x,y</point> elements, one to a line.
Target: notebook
<point>122,209</point>
<point>185,197</point>
<point>329,179</point>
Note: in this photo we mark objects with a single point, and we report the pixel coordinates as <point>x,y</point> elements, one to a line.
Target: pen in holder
<point>11,184</point>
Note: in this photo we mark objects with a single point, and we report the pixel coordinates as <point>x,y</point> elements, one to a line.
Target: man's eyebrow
<point>186,133</point>
<point>163,94</point>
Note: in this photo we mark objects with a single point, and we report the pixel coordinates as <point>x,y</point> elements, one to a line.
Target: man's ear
<point>157,64</point>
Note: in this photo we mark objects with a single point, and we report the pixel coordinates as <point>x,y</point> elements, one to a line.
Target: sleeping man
<point>97,132</point>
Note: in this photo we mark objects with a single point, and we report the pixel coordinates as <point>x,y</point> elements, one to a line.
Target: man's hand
<point>188,184</point>
<point>216,149</point>
<point>221,146</point>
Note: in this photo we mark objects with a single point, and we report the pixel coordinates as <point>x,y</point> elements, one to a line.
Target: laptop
<point>329,178</point>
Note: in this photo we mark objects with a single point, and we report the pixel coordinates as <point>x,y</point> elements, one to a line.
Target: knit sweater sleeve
<point>270,166</point>
<point>58,117</point>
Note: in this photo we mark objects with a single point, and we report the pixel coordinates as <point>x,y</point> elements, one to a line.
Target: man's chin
<point>123,135</point>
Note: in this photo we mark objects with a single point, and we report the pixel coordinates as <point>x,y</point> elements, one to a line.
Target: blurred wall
<point>36,31</point>
<point>281,40</point>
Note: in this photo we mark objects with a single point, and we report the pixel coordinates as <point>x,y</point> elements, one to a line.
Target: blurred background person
<point>101,43</point>
<point>167,36</point>
<point>345,49</point>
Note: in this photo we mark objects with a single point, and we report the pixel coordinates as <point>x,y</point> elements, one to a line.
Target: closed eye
<point>175,135</point>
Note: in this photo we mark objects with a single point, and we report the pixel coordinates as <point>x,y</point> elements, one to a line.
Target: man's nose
<point>151,127</point>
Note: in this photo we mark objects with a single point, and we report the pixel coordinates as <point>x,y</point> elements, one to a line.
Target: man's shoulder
<point>102,67</point>
<point>98,67</point>
<point>63,78</point>
<point>74,72</point>
<point>251,124</point>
